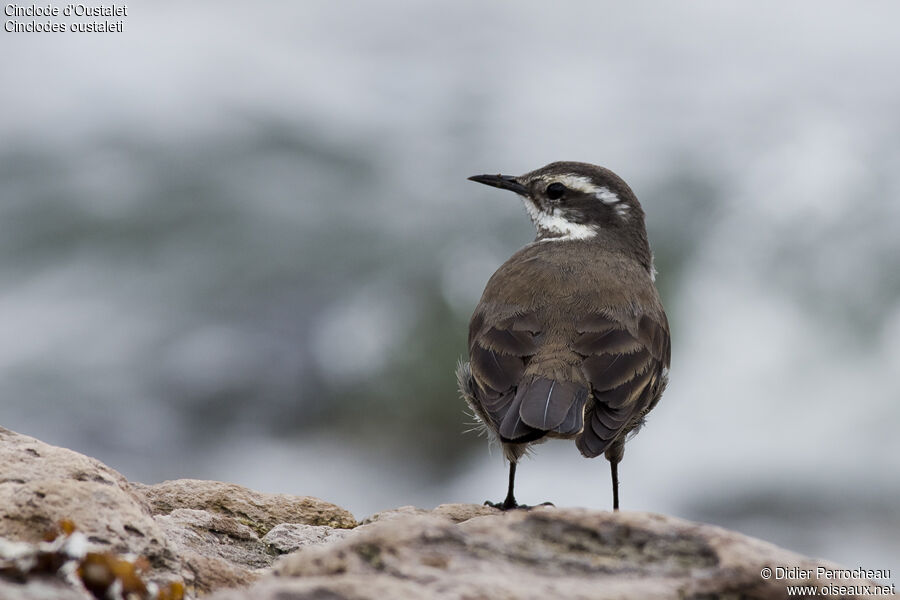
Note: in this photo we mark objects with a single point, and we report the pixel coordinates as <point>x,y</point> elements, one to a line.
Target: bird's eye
<point>556,190</point>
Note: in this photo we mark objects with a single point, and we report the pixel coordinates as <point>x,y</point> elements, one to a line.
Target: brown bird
<point>570,339</point>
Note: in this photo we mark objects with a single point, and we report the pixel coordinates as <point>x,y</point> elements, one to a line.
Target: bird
<point>570,338</point>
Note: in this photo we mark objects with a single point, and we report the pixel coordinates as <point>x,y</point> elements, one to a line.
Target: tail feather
<point>574,421</point>
<point>529,412</point>
<point>547,404</point>
<point>514,429</point>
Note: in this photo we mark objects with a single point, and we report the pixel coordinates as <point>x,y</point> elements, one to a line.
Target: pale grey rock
<point>43,588</point>
<point>41,485</point>
<point>349,587</point>
<point>215,551</point>
<point>218,529</point>
<point>394,513</point>
<point>455,512</point>
<point>207,534</point>
<point>463,512</point>
<point>288,537</point>
<point>214,535</point>
<point>223,540</point>
<point>537,554</point>
<point>257,510</point>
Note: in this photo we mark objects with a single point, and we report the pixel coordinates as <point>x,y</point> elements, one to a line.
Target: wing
<point>520,406</point>
<point>498,355</point>
<point>625,363</point>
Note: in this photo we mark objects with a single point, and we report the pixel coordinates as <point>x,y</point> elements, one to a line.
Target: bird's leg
<point>614,455</point>
<point>614,469</point>
<point>510,501</point>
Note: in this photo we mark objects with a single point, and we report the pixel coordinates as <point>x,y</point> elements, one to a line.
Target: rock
<point>41,589</point>
<point>394,513</point>
<point>348,587</point>
<point>257,510</point>
<point>41,485</point>
<point>455,512</point>
<point>220,551</point>
<point>542,553</point>
<point>207,534</point>
<point>215,535</point>
<point>463,512</point>
<point>223,540</point>
<point>288,537</point>
<point>221,530</point>
<point>215,550</point>
<point>204,574</point>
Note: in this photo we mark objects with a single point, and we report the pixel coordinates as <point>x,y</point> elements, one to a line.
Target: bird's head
<point>575,201</point>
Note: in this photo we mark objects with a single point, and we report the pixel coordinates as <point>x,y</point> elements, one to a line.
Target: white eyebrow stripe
<point>586,186</point>
<point>573,182</point>
<point>606,196</point>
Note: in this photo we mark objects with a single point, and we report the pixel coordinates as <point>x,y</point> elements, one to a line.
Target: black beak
<point>504,182</point>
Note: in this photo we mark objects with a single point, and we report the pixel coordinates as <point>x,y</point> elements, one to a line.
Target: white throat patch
<point>560,228</point>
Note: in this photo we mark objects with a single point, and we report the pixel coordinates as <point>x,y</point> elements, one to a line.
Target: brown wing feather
<point>609,371</point>
<point>500,372</point>
<point>623,366</point>
<point>508,341</point>
<point>498,356</point>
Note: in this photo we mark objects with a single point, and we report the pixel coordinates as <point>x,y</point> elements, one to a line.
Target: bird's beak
<point>504,182</point>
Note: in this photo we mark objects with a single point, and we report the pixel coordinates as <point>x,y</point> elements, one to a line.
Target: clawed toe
<point>507,505</point>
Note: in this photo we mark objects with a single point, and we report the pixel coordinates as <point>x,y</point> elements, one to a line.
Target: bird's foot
<point>505,505</point>
<point>513,505</point>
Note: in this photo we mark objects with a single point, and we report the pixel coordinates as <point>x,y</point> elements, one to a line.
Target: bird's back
<point>558,346</point>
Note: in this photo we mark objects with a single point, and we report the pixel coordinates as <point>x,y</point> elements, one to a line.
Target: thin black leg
<point>614,469</point>
<point>510,501</point>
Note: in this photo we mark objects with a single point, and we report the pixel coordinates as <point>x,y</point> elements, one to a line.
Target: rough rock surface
<point>42,484</point>
<point>288,537</point>
<point>215,551</point>
<point>259,511</point>
<point>222,540</point>
<point>455,512</point>
<point>542,553</point>
<point>39,589</point>
<point>219,529</point>
<point>207,534</point>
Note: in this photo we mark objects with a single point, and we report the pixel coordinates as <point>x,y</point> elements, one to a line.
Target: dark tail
<point>542,406</point>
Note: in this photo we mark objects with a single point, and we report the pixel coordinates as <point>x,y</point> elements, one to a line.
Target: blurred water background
<point>237,242</point>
